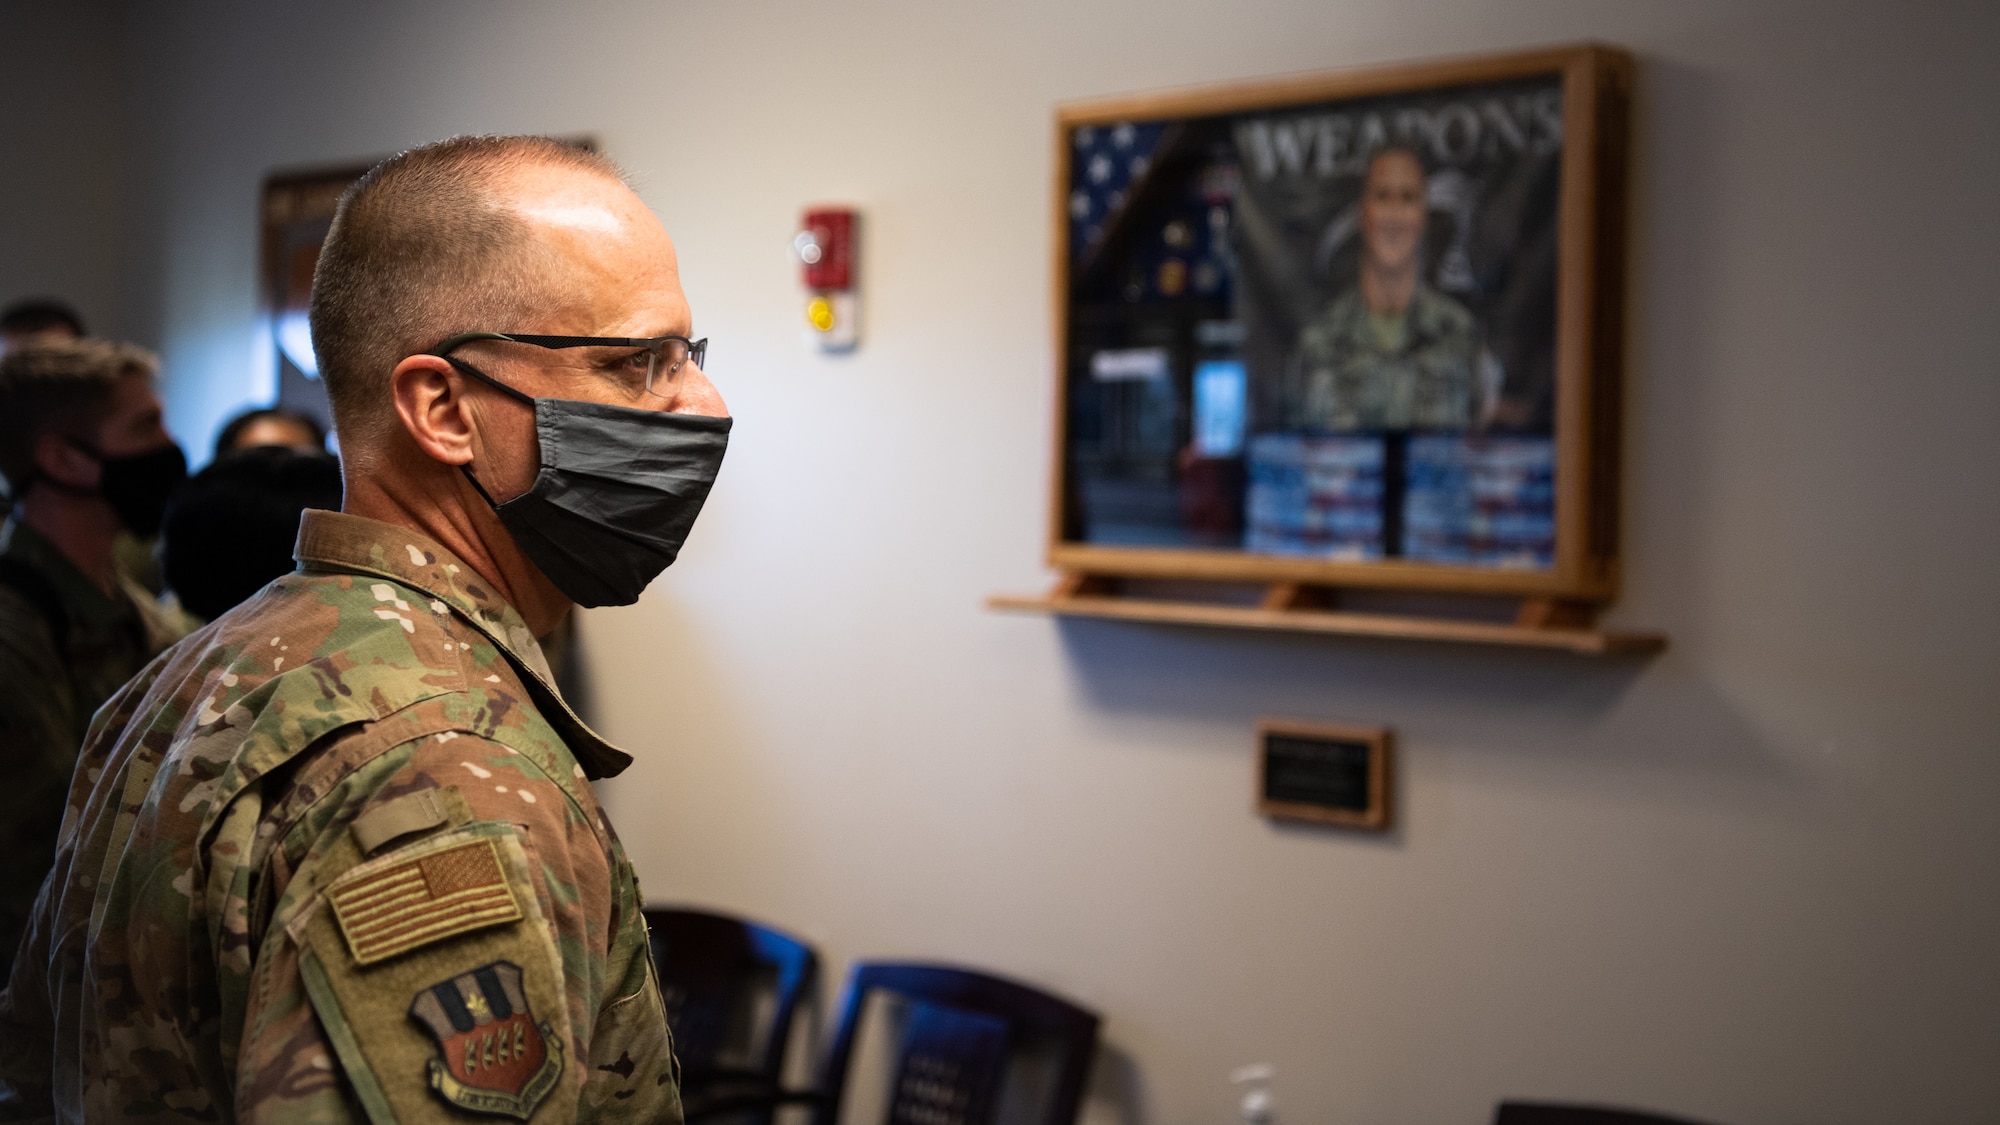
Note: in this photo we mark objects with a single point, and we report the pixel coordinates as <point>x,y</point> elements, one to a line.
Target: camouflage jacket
<point>1355,379</point>
<point>65,647</point>
<point>333,858</point>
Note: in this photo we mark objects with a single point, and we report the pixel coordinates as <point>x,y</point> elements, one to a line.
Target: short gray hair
<point>421,248</point>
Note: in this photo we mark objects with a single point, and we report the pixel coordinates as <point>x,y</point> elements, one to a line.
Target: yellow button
<point>820,313</point>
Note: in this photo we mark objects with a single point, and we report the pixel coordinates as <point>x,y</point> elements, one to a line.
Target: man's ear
<point>59,459</point>
<point>431,403</point>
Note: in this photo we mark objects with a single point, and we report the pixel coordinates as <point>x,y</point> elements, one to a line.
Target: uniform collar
<point>338,543</point>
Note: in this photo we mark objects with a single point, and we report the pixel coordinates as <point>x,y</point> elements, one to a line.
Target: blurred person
<point>270,425</point>
<point>38,319</point>
<point>87,456</point>
<point>43,319</point>
<point>230,530</point>
<point>1390,353</point>
<point>368,853</point>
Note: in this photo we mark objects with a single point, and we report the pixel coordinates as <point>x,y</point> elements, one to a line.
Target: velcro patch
<point>389,910</point>
<point>411,812</point>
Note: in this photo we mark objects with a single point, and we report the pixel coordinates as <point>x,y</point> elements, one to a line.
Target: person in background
<point>38,319</point>
<point>231,529</point>
<point>87,456</point>
<point>270,425</point>
<point>1390,353</point>
<point>44,319</point>
<point>369,879</point>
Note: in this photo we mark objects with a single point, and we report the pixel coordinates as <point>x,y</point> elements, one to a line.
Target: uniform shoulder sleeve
<point>625,1069</point>
<point>439,955</point>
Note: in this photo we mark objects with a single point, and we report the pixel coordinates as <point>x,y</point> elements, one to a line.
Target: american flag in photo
<point>1105,161</point>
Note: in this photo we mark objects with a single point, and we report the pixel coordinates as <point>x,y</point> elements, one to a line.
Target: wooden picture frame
<point>1579,569</point>
<point>1306,772</point>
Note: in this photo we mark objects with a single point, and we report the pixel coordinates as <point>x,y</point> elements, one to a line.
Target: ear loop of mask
<point>465,368</point>
<point>35,475</point>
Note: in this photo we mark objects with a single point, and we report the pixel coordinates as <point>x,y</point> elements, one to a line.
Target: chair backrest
<point>963,1029</point>
<point>1554,1113</point>
<point>712,970</point>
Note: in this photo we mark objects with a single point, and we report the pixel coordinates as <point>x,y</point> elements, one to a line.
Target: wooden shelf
<point>1289,609</point>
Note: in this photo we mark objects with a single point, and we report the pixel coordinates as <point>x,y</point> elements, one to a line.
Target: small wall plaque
<point>1335,775</point>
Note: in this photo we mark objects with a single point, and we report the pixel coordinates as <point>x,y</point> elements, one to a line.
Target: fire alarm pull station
<point>825,247</point>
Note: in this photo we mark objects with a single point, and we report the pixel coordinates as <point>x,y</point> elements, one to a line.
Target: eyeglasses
<point>666,356</point>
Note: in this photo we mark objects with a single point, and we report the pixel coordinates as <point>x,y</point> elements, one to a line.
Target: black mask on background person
<point>617,492</point>
<point>136,485</point>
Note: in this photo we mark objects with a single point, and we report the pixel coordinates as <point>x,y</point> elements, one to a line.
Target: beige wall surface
<point>1752,880</point>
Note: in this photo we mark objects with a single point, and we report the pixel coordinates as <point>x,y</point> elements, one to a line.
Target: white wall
<point>1751,880</point>
<point>63,156</point>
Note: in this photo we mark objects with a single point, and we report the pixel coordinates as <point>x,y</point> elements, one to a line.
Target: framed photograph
<point>1359,329</point>
<point>1334,775</point>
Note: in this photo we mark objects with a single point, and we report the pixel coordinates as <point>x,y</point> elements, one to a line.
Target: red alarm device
<point>825,247</point>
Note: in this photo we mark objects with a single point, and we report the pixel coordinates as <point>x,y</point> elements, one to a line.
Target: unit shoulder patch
<point>397,904</point>
<point>493,1055</point>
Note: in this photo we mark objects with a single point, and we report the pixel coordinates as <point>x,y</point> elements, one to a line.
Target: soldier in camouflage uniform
<point>1412,371</point>
<point>1391,353</point>
<point>73,629</point>
<point>335,858</point>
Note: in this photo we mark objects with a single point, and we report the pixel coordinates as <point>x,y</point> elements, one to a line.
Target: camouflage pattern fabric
<point>1357,376</point>
<point>49,688</point>
<point>334,858</point>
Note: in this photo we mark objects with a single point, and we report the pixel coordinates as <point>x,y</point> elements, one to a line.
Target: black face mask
<point>617,492</point>
<point>137,485</point>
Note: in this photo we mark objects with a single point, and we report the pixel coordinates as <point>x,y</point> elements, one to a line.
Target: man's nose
<point>696,395</point>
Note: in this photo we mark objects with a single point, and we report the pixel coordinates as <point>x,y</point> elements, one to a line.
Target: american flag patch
<point>404,906</point>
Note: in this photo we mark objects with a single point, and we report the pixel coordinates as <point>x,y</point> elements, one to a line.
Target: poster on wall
<point>1359,329</point>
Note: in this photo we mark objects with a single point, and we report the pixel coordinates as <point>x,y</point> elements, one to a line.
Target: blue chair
<point>962,1031</point>
<point>732,989</point>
